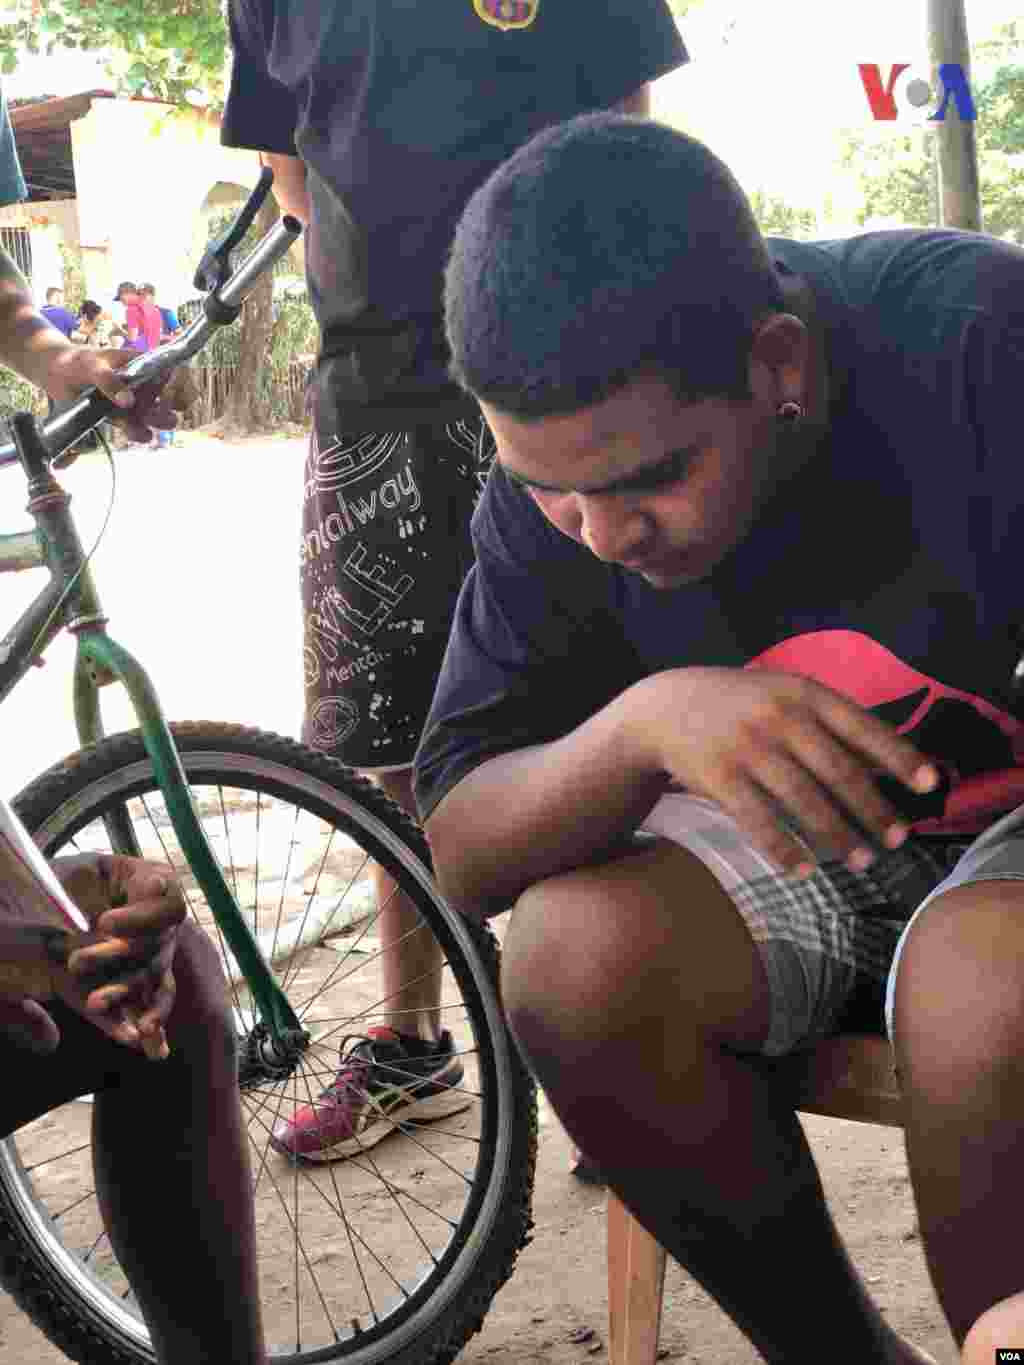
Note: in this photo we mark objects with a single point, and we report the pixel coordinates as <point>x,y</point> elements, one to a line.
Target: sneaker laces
<point>353,1068</point>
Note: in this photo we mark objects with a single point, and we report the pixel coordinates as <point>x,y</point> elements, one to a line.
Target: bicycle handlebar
<point>220,307</point>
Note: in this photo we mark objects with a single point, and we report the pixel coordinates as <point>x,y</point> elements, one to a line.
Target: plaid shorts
<point>827,942</point>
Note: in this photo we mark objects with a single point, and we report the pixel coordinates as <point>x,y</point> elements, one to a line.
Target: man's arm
<point>42,355</point>
<point>575,798</point>
<point>289,184</point>
<point>794,763</point>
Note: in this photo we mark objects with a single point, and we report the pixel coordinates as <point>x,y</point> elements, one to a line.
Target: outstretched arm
<point>43,356</point>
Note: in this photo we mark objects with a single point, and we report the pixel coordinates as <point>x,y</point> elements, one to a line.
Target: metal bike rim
<point>62,1262</point>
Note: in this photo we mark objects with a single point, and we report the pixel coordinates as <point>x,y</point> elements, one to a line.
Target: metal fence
<point>17,243</point>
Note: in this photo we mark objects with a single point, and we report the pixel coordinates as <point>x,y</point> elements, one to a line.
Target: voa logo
<point>886,91</point>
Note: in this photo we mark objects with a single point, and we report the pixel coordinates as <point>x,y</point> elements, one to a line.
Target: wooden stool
<point>849,1077</point>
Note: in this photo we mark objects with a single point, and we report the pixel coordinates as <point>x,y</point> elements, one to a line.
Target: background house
<point>133,185</point>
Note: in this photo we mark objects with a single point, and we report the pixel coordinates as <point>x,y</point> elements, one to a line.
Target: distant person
<point>93,326</point>
<point>56,314</point>
<point>142,326</point>
<point>170,326</point>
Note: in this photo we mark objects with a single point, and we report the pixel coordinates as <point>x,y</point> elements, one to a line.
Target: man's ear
<point>779,354</point>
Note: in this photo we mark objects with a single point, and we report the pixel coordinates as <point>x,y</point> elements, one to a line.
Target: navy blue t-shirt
<point>400,109</point>
<point>890,568</point>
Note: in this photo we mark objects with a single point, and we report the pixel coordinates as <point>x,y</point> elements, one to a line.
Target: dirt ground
<point>553,1309</point>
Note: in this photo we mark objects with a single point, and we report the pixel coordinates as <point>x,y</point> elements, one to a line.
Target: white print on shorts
<point>345,462</point>
<point>400,491</point>
<point>332,721</point>
<point>368,602</point>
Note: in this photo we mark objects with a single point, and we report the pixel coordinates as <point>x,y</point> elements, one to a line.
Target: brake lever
<point>214,267</point>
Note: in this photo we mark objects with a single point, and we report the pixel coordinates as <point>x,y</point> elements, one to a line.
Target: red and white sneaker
<point>385,1081</point>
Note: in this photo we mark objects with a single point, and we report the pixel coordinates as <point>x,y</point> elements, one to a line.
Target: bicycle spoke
<point>227,841</point>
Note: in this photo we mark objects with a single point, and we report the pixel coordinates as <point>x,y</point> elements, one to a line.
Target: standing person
<point>142,324</point>
<point>141,328</point>
<point>378,121</point>
<point>728,712</point>
<point>169,328</point>
<point>56,314</point>
<point>176,1202</point>
<point>169,324</point>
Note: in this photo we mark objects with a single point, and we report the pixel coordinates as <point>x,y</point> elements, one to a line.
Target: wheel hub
<point>263,1058</point>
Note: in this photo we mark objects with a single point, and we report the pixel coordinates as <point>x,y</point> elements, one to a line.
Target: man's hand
<point>78,368</point>
<point>119,975</point>
<point>775,750</point>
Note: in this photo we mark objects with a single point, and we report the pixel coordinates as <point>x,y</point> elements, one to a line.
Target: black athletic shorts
<point>385,548</point>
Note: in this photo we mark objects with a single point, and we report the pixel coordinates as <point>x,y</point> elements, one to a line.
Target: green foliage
<point>164,48</point>
<point>294,338</point>
<point>18,395</point>
<point>776,218</point>
<point>73,277</point>
<point>896,175</point>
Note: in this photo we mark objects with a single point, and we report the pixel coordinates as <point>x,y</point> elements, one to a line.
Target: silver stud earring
<point>790,413</point>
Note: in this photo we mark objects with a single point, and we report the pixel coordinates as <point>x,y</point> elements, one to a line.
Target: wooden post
<point>957,153</point>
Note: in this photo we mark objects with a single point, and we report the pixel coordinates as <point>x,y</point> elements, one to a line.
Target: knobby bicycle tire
<point>236,772</point>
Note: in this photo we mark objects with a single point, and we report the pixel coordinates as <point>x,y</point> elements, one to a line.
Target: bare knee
<point>608,956</point>
<point>568,962</point>
<point>959,1012</point>
<point>1000,1328</point>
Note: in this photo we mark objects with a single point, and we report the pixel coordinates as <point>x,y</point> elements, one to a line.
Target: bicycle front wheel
<point>391,1254</point>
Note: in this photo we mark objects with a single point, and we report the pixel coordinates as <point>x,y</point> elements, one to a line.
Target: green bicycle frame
<point>70,600</point>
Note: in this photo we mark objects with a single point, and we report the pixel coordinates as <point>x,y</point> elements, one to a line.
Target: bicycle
<point>272,843</point>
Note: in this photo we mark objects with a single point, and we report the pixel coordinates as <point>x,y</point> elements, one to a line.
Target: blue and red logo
<point>917,92</point>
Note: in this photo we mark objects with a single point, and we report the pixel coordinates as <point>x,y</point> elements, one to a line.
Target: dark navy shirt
<point>890,568</point>
<point>400,109</point>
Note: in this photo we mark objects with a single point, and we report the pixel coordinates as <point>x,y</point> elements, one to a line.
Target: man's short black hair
<point>605,249</point>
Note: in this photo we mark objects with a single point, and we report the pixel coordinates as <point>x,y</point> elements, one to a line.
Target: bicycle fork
<point>279,1039</point>
<point>101,660</point>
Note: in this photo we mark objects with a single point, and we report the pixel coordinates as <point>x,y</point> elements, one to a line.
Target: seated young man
<point>727,704</point>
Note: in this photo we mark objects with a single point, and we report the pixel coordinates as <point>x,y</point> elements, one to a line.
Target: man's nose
<point>611,529</point>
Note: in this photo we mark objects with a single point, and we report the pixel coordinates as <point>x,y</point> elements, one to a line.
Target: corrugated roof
<point>42,133</point>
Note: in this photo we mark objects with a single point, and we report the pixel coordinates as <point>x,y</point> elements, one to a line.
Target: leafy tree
<point>896,176</point>
<point>776,218</point>
<point>169,49</point>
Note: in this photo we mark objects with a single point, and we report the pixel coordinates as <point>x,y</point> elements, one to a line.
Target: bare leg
<point>959,1035</point>
<point>410,956</point>
<point>625,984</point>
<point>172,1175</point>
<point>1001,1327</point>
